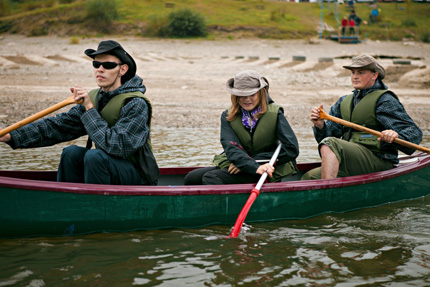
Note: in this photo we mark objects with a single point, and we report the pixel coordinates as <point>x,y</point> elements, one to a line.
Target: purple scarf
<point>248,119</point>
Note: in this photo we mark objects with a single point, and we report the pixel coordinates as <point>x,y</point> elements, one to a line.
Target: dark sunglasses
<point>106,65</point>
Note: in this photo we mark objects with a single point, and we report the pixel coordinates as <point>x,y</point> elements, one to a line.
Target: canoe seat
<point>406,160</point>
<point>293,177</point>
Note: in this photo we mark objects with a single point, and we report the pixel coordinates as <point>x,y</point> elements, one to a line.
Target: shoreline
<point>185,79</point>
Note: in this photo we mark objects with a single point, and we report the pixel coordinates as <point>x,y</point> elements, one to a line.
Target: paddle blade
<point>241,218</point>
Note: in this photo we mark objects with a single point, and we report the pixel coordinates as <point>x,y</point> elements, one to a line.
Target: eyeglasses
<point>106,65</point>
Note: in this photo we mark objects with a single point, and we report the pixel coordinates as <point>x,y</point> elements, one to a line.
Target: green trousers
<point>354,159</point>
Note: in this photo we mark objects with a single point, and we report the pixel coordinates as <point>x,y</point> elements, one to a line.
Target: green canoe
<point>33,204</point>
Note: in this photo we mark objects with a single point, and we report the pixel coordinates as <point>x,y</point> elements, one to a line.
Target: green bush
<point>186,23</point>
<point>101,13</point>
<point>425,36</point>
<point>6,26</point>
<point>157,26</point>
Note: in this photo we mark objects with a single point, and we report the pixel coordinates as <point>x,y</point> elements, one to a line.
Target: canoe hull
<point>41,208</point>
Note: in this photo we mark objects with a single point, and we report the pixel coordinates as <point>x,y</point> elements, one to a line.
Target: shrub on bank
<point>100,14</point>
<point>186,23</point>
<point>425,36</point>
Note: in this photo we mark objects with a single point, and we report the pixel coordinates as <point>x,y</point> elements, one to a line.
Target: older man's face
<point>363,79</point>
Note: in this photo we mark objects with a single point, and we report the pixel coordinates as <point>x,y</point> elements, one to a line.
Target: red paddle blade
<point>242,215</point>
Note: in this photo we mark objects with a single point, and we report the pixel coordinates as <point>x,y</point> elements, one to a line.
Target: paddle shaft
<point>38,115</point>
<point>254,193</point>
<point>325,116</point>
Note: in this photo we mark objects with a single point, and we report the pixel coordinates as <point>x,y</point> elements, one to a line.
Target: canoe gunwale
<point>180,190</point>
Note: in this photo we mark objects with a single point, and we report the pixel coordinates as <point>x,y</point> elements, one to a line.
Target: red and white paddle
<point>254,193</point>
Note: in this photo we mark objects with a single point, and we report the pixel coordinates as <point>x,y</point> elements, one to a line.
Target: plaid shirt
<point>390,113</point>
<point>121,140</point>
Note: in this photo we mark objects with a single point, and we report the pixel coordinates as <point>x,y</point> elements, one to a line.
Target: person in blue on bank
<point>116,117</point>
<point>250,132</point>
<point>348,152</point>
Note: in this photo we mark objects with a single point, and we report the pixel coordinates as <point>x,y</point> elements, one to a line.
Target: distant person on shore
<point>357,21</point>
<point>116,117</point>
<point>250,131</point>
<point>344,25</point>
<point>351,27</point>
<point>348,152</point>
<point>374,14</point>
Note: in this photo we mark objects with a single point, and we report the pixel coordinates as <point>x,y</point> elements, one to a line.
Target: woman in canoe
<point>250,132</point>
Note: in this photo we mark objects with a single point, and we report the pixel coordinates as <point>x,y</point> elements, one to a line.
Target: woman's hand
<point>232,169</point>
<point>315,117</point>
<point>266,168</point>
<point>81,95</point>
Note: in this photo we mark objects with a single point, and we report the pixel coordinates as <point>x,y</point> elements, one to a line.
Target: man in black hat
<point>347,152</point>
<point>116,117</point>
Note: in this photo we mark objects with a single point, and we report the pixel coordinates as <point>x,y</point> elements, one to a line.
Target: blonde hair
<point>263,102</point>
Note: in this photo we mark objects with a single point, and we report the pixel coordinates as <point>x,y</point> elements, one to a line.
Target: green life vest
<point>264,137</point>
<point>364,114</point>
<point>143,158</point>
<point>110,112</point>
<point>263,140</point>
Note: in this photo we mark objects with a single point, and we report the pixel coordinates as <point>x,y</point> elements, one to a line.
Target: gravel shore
<point>185,79</point>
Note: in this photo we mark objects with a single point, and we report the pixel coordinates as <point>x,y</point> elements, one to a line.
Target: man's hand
<point>5,138</point>
<point>315,115</point>
<point>81,94</point>
<point>388,136</point>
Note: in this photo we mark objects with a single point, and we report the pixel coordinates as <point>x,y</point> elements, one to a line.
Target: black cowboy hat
<point>111,47</point>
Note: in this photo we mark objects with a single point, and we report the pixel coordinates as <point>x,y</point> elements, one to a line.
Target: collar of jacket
<point>379,85</point>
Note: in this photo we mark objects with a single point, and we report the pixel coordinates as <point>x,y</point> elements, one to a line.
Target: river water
<point>382,246</point>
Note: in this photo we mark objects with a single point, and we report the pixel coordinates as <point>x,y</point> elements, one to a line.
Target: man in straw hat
<point>347,152</point>
<point>116,117</point>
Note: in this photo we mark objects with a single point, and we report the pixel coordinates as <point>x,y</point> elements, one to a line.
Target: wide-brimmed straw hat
<point>111,47</point>
<point>246,83</point>
<point>367,62</point>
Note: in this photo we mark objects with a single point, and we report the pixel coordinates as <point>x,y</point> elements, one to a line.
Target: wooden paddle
<point>325,116</point>
<point>254,193</point>
<point>38,115</point>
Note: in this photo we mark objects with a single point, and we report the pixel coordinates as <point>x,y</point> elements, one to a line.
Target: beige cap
<point>367,62</point>
<point>246,83</point>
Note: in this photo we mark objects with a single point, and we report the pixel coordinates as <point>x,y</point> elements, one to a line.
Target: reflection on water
<point>382,246</point>
<point>375,247</point>
<point>172,147</point>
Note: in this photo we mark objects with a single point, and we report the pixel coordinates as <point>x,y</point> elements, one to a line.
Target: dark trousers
<point>79,164</point>
<point>214,175</point>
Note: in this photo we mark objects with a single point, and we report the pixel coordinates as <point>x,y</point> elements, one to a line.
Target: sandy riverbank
<point>185,78</point>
